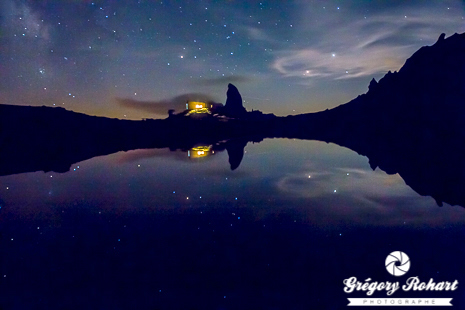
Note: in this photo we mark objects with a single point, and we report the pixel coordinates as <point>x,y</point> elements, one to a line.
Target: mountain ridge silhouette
<point>410,122</point>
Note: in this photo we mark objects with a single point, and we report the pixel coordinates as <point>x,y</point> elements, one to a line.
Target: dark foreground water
<point>154,229</point>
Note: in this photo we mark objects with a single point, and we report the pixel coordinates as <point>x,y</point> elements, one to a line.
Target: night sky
<point>138,59</point>
<point>157,229</point>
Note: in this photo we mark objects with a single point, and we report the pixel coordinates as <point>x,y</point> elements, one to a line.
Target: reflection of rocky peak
<point>235,150</point>
<point>234,105</point>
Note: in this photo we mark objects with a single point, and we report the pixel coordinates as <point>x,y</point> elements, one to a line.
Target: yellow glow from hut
<point>196,105</point>
<point>200,151</point>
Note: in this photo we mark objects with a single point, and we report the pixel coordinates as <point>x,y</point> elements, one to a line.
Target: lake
<point>161,229</point>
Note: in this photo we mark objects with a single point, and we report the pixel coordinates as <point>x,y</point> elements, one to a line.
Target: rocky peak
<point>234,105</point>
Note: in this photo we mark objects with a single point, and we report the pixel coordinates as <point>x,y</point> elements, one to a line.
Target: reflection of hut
<point>200,151</point>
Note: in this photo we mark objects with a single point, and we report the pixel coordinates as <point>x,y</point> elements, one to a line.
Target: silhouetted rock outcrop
<point>373,84</point>
<point>233,106</point>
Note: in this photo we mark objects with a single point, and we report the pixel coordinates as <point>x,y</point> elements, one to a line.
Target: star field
<point>284,57</point>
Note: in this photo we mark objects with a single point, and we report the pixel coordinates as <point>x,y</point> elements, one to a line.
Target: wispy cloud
<point>222,80</point>
<point>355,61</point>
<point>143,154</point>
<point>358,45</point>
<point>259,34</point>
<point>161,107</point>
<point>374,197</point>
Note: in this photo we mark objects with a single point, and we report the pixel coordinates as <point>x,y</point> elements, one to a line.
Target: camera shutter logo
<point>397,263</point>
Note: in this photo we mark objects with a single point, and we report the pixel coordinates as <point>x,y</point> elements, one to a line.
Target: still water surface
<point>161,230</point>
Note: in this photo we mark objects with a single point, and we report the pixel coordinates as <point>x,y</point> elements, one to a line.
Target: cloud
<point>222,80</point>
<point>161,107</point>
<point>352,45</point>
<point>258,34</point>
<point>361,185</point>
<point>353,62</point>
<point>143,154</point>
<point>363,197</point>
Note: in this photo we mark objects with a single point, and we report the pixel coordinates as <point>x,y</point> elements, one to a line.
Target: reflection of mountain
<point>52,139</point>
<point>409,123</point>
